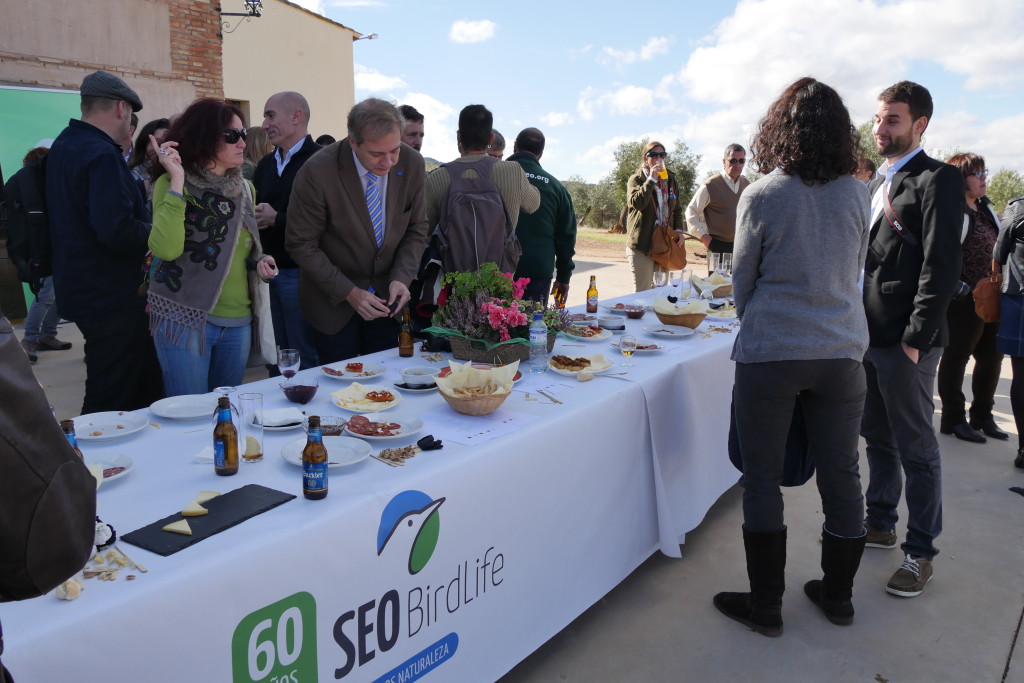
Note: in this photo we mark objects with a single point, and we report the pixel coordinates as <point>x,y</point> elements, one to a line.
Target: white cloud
<point>352,4</point>
<point>628,100</point>
<point>960,130</point>
<point>652,48</point>
<point>439,124</point>
<point>312,5</point>
<point>372,80</point>
<point>467,31</point>
<point>556,118</point>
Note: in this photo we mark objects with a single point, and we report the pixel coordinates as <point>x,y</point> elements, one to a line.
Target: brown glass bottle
<point>69,431</point>
<point>314,463</point>
<point>225,440</point>
<point>405,341</point>
<point>592,295</point>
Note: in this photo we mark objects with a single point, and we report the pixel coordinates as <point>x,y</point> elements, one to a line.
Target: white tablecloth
<point>534,528</point>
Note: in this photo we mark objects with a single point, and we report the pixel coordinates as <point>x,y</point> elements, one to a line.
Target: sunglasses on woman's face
<point>656,155</point>
<point>233,135</point>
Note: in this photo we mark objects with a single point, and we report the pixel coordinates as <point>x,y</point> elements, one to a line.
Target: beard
<point>896,146</point>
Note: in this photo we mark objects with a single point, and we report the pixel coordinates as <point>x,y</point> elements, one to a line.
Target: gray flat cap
<point>104,84</point>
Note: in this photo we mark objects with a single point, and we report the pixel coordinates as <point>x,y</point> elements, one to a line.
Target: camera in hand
<point>961,291</point>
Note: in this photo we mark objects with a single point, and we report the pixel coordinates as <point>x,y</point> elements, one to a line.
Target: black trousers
<point>357,338</point>
<point>968,336</point>
<point>122,371</point>
<point>832,395</point>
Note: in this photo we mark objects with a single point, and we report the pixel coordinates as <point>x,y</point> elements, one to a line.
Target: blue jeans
<point>897,427</point>
<point>291,330</point>
<point>187,371</point>
<point>43,316</point>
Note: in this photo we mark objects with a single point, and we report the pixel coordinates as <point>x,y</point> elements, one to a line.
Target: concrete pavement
<point>659,624</point>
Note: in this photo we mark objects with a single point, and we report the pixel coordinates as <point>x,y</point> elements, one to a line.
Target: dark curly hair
<point>807,132</point>
<point>199,132</point>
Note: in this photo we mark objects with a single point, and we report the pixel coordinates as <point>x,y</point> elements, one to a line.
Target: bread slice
<point>194,509</point>
<point>205,496</point>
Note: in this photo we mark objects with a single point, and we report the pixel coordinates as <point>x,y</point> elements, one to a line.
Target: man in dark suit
<point>286,120</point>
<point>912,268</point>
<point>357,227</point>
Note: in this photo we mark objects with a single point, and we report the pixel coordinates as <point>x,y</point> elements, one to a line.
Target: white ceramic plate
<point>407,426</point>
<point>108,460</point>
<point>342,451</point>
<point>370,370</point>
<point>188,407</point>
<point>596,370</point>
<point>110,426</point>
<point>415,390</point>
<point>282,428</point>
<point>669,331</point>
<point>376,407</point>
<point>600,336</point>
<point>657,347</point>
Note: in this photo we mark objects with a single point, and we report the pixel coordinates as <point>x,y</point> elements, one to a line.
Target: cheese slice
<point>205,496</point>
<point>194,509</point>
<point>179,527</point>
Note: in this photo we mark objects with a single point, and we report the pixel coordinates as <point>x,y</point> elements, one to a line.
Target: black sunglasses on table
<point>232,135</point>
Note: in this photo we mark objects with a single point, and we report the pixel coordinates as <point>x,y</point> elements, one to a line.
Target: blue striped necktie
<point>375,207</point>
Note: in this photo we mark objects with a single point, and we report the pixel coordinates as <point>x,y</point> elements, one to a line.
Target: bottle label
<point>72,440</point>
<point>219,459</point>
<point>316,436</point>
<point>314,476</point>
<point>224,415</point>
<point>592,301</point>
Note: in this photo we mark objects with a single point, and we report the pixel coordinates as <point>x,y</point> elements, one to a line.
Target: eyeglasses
<point>656,155</point>
<point>980,175</point>
<point>233,135</point>
<point>737,161</point>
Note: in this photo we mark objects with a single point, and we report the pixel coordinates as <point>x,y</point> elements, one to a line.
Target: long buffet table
<point>535,526</point>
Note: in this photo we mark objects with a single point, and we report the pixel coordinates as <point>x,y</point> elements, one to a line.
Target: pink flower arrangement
<point>501,317</point>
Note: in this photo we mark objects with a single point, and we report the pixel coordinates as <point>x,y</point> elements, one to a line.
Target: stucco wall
<point>309,55</point>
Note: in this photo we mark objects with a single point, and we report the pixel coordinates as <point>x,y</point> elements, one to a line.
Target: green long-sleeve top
<point>548,235</point>
<point>167,242</point>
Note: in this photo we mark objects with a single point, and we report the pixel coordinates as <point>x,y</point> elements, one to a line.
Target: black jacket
<point>276,191</point>
<point>909,281</point>
<point>1009,249</point>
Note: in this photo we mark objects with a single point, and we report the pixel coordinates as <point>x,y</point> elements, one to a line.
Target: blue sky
<point>594,74</point>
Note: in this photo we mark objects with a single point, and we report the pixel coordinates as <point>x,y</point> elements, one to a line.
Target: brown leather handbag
<point>665,249</point>
<point>986,295</point>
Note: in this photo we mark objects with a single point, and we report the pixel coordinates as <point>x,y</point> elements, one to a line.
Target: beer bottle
<point>314,462</point>
<point>592,295</point>
<point>405,341</point>
<point>225,440</point>
<point>69,431</point>
<point>559,297</point>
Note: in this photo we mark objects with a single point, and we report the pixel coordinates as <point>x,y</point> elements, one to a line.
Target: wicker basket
<point>690,320</point>
<point>719,291</point>
<point>481,405</point>
<point>503,354</point>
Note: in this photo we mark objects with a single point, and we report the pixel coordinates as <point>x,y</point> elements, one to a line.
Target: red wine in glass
<point>288,362</point>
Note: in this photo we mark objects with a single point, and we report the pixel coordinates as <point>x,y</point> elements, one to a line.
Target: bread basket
<point>477,405</point>
<point>690,320</point>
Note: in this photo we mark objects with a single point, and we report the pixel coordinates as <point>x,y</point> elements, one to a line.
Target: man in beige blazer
<point>353,278</point>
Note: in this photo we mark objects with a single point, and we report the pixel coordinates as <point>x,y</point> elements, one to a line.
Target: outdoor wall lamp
<point>252,11</point>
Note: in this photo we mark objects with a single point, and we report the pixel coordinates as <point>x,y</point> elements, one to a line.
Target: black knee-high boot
<point>761,608</point>
<point>840,559</point>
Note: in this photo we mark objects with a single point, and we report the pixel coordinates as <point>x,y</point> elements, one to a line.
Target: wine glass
<point>684,284</point>
<point>660,278</point>
<point>714,263</point>
<point>288,362</point>
<point>627,345</point>
<point>726,264</point>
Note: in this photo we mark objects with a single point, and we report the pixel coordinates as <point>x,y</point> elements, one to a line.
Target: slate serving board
<point>226,511</point>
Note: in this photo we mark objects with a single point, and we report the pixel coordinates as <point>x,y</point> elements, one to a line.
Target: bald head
<point>530,140</point>
<point>286,119</point>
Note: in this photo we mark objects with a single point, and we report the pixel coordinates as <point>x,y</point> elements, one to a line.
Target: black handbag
<point>798,466</point>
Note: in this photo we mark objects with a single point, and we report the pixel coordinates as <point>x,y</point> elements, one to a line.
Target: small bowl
<point>611,322</point>
<point>332,425</point>
<point>635,312</point>
<point>300,393</point>
<point>420,376</point>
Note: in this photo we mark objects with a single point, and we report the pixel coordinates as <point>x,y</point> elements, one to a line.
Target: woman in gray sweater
<point>801,240</point>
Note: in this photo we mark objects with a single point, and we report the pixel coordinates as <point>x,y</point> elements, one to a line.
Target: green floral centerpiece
<point>484,316</point>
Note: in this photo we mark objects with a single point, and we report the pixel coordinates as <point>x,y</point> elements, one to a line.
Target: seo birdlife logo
<point>409,526</point>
